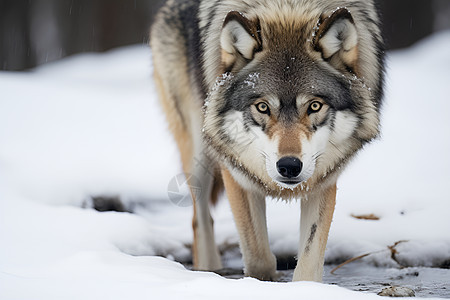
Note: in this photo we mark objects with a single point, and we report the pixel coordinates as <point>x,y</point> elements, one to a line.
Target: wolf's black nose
<point>289,167</point>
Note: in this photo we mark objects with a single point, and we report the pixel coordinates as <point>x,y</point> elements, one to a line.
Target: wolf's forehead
<point>288,75</point>
<point>287,72</point>
<point>285,76</point>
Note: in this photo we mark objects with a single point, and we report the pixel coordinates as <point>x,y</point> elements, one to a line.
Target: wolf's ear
<point>337,40</point>
<point>240,39</point>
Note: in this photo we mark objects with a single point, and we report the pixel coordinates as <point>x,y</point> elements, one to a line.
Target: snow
<point>91,125</point>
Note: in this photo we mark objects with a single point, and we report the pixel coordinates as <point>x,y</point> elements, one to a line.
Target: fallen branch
<point>349,261</point>
<point>391,248</point>
<point>394,253</point>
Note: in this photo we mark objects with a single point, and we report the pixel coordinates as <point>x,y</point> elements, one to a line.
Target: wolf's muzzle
<point>289,167</point>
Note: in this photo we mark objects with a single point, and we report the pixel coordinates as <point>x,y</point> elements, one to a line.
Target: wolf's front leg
<point>249,211</point>
<point>205,253</point>
<point>316,215</point>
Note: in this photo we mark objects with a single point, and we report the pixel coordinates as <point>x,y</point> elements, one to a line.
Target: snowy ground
<point>91,125</point>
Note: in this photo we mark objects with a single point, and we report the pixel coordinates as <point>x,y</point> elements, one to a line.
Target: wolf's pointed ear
<point>337,40</point>
<point>240,39</point>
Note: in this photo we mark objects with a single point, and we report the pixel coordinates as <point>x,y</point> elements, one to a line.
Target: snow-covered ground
<point>91,125</point>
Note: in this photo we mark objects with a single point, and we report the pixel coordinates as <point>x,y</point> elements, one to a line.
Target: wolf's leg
<point>185,125</point>
<point>205,253</point>
<point>316,215</point>
<point>249,211</point>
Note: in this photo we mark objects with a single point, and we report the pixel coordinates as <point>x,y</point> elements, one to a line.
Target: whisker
<point>263,154</point>
<point>317,155</point>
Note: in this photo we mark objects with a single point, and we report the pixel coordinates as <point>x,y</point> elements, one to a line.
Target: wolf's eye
<point>263,108</point>
<point>315,107</point>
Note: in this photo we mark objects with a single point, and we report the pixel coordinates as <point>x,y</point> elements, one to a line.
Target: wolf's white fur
<point>257,147</point>
<point>344,125</point>
<point>314,210</point>
<point>313,148</point>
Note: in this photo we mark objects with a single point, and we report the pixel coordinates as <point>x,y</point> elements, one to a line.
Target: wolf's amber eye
<point>263,108</point>
<point>315,106</point>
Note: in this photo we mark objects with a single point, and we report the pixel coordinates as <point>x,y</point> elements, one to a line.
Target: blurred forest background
<point>33,32</point>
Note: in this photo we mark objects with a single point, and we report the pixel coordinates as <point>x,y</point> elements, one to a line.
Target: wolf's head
<point>294,102</point>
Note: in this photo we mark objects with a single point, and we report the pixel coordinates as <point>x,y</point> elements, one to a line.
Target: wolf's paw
<point>265,276</point>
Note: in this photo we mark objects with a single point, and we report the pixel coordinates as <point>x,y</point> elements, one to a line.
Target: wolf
<point>268,98</point>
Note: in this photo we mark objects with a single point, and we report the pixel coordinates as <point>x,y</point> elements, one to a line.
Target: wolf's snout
<point>289,167</point>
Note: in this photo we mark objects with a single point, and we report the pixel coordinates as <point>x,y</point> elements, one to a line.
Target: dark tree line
<point>33,32</point>
<point>36,31</point>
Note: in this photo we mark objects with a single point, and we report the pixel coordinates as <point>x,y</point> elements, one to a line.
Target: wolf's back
<point>176,43</point>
